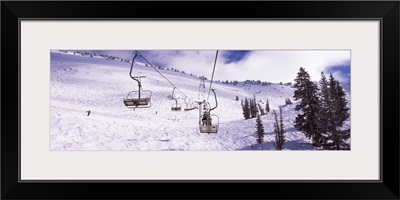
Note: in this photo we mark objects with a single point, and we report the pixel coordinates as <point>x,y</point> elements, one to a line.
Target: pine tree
<point>243,109</point>
<point>279,131</point>
<point>259,131</point>
<point>262,112</point>
<point>341,105</point>
<point>324,92</point>
<point>253,107</point>
<point>276,131</point>
<point>246,109</point>
<point>287,101</point>
<point>333,112</point>
<point>267,107</point>
<point>338,114</point>
<point>324,114</point>
<point>307,121</point>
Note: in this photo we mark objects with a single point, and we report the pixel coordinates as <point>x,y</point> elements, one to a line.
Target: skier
<point>209,120</point>
<point>206,119</point>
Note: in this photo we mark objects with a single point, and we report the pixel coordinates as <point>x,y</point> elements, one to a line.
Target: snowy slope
<point>79,84</point>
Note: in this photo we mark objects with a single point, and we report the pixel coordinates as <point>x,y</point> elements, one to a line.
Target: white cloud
<point>277,66</point>
<point>197,62</point>
<point>340,76</point>
<point>272,66</point>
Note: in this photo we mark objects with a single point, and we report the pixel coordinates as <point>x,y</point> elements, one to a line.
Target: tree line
<point>251,108</point>
<point>322,110</point>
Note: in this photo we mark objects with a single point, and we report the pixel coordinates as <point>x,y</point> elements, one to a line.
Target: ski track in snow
<point>79,84</point>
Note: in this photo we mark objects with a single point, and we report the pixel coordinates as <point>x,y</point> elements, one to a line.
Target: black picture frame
<point>386,11</point>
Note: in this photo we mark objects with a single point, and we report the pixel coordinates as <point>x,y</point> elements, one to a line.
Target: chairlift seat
<point>136,102</point>
<point>189,109</point>
<point>176,108</point>
<point>209,128</point>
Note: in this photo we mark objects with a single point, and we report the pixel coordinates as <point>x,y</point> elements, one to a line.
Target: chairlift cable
<point>212,77</point>
<point>162,74</point>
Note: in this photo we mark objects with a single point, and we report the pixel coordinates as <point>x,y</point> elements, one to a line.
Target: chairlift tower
<point>202,89</point>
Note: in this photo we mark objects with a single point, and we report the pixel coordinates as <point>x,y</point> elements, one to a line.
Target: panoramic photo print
<point>200,100</point>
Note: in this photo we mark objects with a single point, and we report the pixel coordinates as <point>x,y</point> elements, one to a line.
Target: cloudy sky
<point>265,65</point>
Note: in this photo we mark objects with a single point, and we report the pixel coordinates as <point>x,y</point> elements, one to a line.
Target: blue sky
<point>342,71</point>
<point>264,65</point>
<point>235,56</point>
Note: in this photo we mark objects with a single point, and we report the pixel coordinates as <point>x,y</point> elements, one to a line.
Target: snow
<point>82,83</point>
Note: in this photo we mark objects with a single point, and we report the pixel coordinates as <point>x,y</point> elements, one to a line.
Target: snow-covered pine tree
<point>332,90</point>
<point>336,137</point>
<point>307,121</point>
<point>243,108</point>
<point>267,107</point>
<point>259,131</point>
<point>276,131</point>
<point>279,131</point>
<point>262,112</point>
<point>341,105</point>
<point>324,114</point>
<point>287,101</point>
<point>324,92</point>
<point>253,107</point>
<point>246,109</point>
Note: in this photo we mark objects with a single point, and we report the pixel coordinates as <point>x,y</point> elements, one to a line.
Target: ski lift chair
<point>212,124</point>
<point>210,128</point>
<point>176,106</point>
<point>140,98</point>
<point>188,106</point>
